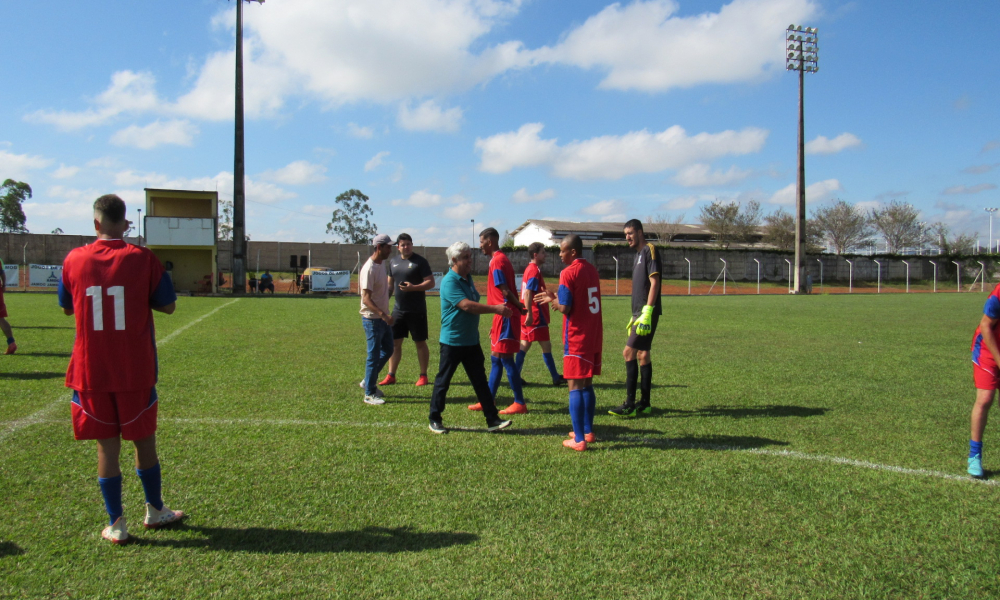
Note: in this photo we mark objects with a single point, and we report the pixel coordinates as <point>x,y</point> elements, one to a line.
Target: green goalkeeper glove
<point>644,324</point>
<point>628,328</point>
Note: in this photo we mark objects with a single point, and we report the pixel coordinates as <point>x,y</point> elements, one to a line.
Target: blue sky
<point>443,111</point>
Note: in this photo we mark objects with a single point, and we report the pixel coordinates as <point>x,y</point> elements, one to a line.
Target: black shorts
<point>643,342</point>
<point>407,324</point>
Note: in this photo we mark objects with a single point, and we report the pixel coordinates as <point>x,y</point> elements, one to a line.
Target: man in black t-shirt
<point>646,276</point>
<point>409,278</point>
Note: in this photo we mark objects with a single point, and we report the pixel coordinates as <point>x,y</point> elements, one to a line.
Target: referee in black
<point>409,278</point>
<point>646,276</point>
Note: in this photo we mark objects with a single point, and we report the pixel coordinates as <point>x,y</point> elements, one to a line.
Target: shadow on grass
<point>259,540</point>
<point>721,443</point>
<point>10,549</point>
<point>621,386</point>
<point>56,354</point>
<point>745,412</point>
<point>27,376</point>
<point>44,327</point>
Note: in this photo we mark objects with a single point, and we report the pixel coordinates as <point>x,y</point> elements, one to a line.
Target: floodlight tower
<point>803,56</point>
<point>990,245</point>
<point>239,196</point>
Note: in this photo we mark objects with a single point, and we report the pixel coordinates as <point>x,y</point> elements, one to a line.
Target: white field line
<point>10,427</point>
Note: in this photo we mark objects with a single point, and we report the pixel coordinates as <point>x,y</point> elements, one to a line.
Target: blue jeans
<point>379,335</point>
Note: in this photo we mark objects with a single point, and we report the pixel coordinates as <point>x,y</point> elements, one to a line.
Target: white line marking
<point>10,427</point>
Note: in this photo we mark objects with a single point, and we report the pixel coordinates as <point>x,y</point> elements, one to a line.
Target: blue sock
<point>577,413</point>
<point>111,489</point>
<point>590,406</point>
<point>151,485</point>
<point>519,360</point>
<point>551,364</point>
<point>514,378</point>
<point>975,448</point>
<point>10,341</point>
<point>496,372</point>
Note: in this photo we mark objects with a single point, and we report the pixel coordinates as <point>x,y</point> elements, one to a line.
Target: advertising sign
<point>44,275</point>
<point>331,281</point>
<point>437,282</point>
<point>13,274</point>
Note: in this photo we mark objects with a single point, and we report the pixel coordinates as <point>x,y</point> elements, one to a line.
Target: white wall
<point>531,234</point>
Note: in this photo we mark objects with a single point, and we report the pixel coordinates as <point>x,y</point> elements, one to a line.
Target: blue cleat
<point>976,466</point>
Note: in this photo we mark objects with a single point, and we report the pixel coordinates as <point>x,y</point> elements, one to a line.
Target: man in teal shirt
<point>460,310</point>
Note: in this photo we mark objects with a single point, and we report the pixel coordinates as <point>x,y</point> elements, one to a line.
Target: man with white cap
<point>374,287</point>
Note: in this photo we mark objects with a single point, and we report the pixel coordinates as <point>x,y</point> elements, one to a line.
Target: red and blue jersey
<point>111,285</point>
<point>532,280</point>
<point>583,326</point>
<point>980,353</point>
<point>501,273</point>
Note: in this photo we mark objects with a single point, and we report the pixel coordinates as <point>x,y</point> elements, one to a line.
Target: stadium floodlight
<point>879,288</point>
<point>803,56</point>
<point>907,276</point>
<point>789,276</point>
<point>850,278</point>
<point>239,178</point>
<point>758,274</point>
<point>958,276</point>
<point>689,275</point>
<point>935,274</point>
<point>990,245</point>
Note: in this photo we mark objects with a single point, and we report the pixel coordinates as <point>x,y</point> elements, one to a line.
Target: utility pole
<point>803,56</point>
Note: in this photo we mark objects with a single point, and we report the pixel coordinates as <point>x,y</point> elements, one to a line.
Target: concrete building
<point>180,228</point>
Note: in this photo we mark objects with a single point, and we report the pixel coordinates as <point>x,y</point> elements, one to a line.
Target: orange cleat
<point>476,406</point>
<point>578,446</point>
<point>422,381</point>
<point>515,409</point>
<point>11,349</point>
<point>389,380</point>
<point>590,438</point>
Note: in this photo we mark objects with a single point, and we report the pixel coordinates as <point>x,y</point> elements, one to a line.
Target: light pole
<point>958,276</point>
<point>725,267</point>
<point>802,56</point>
<point>139,220</point>
<point>850,278</point>
<point>990,245</point>
<point>935,274</point>
<point>820,261</point>
<point>790,291</point>
<point>907,276</point>
<point>239,179</point>
<point>688,260</point>
<point>758,274</point>
<point>879,288</point>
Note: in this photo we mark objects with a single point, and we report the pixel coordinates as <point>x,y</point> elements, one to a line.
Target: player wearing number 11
<point>112,287</point>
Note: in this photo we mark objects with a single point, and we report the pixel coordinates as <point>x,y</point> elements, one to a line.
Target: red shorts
<point>102,415</point>
<point>539,333</point>
<point>581,366</point>
<point>986,377</point>
<point>3,307</point>
<point>505,335</point>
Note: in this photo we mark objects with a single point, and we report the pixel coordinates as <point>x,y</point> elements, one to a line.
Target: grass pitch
<point>808,447</point>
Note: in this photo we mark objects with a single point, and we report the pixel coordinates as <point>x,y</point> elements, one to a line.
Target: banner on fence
<point>44,275</point>
<point>13,274</point>
<point>330,281</point>
<point>437,282</point>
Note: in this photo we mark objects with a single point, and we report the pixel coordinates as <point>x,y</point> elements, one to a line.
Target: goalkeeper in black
<point>646,276</point>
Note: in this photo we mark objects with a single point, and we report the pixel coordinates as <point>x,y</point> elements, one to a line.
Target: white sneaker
<point>159,518</point>
<point>373,400</point>
<point>117,532</point>
<point>361,384</point>
<point>378,394</point>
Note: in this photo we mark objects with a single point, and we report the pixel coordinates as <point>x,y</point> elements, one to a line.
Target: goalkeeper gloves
<point>628,328</point>
<point>644,324</point>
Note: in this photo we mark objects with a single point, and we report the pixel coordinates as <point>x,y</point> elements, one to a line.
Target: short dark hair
<point>574,242</point>
<point>490,233</point>
<point>110,207</point>
<point>404,236</point>
<point>534,248</point>
<point>633,224</point>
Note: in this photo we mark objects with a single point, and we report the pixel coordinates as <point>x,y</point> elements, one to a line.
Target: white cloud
<point>17,166</point>
<point>64,172</point>
<point>429,116</point>
<point>357,131</point>
<point>420,199</point>
<point>702,175</point>
<point>823,145</point>
<point>375,161</point>
<point>71,209</point>
<point>604,207</point>
<point>682,203</point>
<point>256,191</point>
<point>300,172</point>
<point>980,169</point>
<point>613,157</point>
<point>972,189</point>
<point>157,133</point>
<point>105,162</point>
<point>129,92</point>
<point>522,196</point>
<point>817,192</point>
<point>643,45</point>
<point>464,210</point>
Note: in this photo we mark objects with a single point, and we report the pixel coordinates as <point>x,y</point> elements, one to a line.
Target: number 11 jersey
<point>111,285</point>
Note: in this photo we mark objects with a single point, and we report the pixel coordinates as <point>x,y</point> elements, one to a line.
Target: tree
<point>225,220</point>
<point>12,194</point>
<point>779,231</point>
<point>963,243</point>
<point>351,221</point>
<point>898,223</point>
<point>59,231</point>
<point>719,218</point>
<point>664,227</point>
<point>748,222</point>
<point>844,225</point>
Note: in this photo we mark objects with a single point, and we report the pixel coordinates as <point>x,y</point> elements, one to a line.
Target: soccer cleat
<point>11,348</point>
<point>976,466</point>
<point>560,381</point>
<point>117,532</point>
<point>422,381</point>
<point>476,406</point>
<point>497,425</point>
<point>373,400</point>
<point>590,438</point>
<point>437,427</point>
<point>515,409</point>
<point>578,446</point>
<point>625,411</point>
<point>160,518</point>
<point>389,380</point>
<point>643,408</point>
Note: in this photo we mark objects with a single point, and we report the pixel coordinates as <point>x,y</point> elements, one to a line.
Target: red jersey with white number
<point>532,280</point>
<point>501,273</point>
<point>111,286</point>
<point>583,327</point>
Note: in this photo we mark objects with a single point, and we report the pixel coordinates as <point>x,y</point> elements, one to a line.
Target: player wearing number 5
<point>579,301</point>
<point>112,287</point>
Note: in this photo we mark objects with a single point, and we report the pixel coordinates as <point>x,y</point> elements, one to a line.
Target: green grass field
<point>801,447</point>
